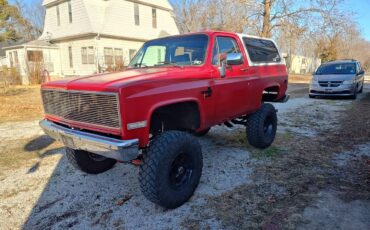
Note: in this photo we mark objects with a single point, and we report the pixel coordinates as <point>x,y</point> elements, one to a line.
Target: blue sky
<point>361,8</point>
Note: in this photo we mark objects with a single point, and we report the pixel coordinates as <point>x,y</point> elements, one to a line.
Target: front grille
<point>95,108</point>
<point>330,83</point>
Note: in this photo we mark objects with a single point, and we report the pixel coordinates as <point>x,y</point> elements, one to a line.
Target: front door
<point>232,91</point>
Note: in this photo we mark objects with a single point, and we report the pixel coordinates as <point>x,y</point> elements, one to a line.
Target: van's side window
<point>261,51</point>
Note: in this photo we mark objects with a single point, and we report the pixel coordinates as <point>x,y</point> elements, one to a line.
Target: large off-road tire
<point>202,133</point>
<point>261,126</point>
<point>89,162</point>
<point>171,169</point>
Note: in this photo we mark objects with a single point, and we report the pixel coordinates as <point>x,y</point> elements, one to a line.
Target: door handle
<point>207,93</point>
<point>244,69</point>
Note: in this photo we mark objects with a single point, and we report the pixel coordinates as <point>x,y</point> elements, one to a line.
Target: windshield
<point>339,68</point>
<point>180,51</point>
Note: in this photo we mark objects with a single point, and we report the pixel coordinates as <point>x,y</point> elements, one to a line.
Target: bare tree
<point>276,12</point>
<point>31,19</point>
<point>226,15</point>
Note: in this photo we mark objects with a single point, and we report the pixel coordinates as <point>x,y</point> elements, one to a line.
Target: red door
<point>232,91</point>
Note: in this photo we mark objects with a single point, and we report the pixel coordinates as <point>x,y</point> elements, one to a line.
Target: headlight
<point>313,81</point>
<point>348,82</point>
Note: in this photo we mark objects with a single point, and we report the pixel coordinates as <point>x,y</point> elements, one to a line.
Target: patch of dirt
<point>20,104</point>
<point>299,78</point>
<point>282,188</point>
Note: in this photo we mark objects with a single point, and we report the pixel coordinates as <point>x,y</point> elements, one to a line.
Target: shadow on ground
<point>39,143</point>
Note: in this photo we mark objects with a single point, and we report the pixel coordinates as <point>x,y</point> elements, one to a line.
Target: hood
<point>334,77</point>
<point>114,81</point>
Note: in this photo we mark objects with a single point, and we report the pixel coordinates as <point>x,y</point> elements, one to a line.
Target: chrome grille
<point>330,83</point>
<point>95,108</point>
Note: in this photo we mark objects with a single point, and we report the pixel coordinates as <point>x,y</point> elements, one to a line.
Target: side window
<point>222,47</point>
<point>261,50</point>
<point>358,67</point>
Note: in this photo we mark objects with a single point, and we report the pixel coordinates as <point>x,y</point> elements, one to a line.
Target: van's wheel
<point>202,133</point>
<point>261,126</point>
<point>362,88</point>
<point>354,95</point>
<point>89,162</point>
<point>171,169</point>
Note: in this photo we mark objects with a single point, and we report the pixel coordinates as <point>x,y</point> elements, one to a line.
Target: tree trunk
<point>266,28</point>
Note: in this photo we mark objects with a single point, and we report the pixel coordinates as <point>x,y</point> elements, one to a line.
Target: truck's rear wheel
<point>261,126</point>
<point>171,169</point>
<point>89,162</point>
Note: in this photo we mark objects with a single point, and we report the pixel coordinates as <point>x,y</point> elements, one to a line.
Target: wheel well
<point>270,93</point>
<point>183,116</point>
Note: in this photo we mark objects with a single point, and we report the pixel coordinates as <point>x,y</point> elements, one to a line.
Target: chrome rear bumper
<point>121,150</point>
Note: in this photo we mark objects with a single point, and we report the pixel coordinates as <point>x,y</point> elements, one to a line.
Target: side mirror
<point>362,72</point>
<point>234,59</point>
<point>222,69</point>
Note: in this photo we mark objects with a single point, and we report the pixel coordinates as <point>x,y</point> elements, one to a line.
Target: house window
<point>132,53</point>
<point>34,56</point>
<point>58,15</point>
<point>11,59</point>
<point>108,56</point>
<point>16,57</point>
<point>70,11</point>
<point>154,18</point>
<point>87,54</point>
<point>303,61</point>
<point>70,57</point>
<point>118,58</point>
<point>137,14</point>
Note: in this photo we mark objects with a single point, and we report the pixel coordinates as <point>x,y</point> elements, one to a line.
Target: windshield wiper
<point>139,65</point>
<point>168,63</point>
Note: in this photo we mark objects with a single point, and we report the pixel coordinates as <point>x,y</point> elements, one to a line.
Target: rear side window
<point>262,51</point>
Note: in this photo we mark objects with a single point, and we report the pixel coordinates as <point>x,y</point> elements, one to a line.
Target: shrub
<point>35,72</point>
<point>9,77</point>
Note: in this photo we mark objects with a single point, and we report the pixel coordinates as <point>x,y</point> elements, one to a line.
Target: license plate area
<point>68,141</point>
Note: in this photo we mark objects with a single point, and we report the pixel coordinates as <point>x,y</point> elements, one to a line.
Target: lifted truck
<point>175,88</point>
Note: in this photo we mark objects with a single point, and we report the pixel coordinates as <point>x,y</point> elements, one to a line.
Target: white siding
<point>113,17</point>
<point>78,68</point>
<point>303,65</point>
<point>99,45</point>
<point>3,61</point>
<point>79,25</point>
<point>161,3</point>
<point>119,21</point>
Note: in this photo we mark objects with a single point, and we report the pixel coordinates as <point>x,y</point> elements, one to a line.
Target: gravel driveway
<point>48,193</point>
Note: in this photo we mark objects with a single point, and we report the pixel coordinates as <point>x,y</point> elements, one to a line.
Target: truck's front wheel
<point>261,126</point>
<point>89,162</point>
<point>171,169</point>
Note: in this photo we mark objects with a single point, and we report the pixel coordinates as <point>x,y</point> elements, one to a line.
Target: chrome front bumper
<point>342,90</point>
<point>121,150</point>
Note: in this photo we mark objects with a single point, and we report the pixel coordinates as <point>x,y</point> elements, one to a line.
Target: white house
<point>82,37</point>
<point>298,64</point>
<point>304,65</point>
